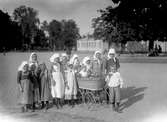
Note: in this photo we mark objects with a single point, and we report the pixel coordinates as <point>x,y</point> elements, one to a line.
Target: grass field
<point>143,100</point>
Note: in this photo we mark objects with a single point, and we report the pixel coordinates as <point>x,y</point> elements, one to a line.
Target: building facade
<point>89,44</point>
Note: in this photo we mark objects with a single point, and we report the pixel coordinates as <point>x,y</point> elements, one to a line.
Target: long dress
<point>71,88</point>
<point>36,94</point>
<point>25,96</point>
<point>58,88</point>
<point>45,86</point>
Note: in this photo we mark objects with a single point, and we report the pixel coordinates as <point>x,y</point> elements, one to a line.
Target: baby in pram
<point>86,69</point>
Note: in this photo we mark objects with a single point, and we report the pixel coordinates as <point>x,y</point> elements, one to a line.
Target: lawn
<point>143,98</point>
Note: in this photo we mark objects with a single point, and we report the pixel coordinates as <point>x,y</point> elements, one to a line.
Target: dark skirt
<point>45,89</point>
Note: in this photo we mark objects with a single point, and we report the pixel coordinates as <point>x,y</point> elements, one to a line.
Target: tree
<point>55,30</point>
<point>27,18</point>
<point>40,40</point>
<point>114,32</point>
<point>62,34</point>
<point>70,33</point>
<point>10,33</point>
<point>144,19</point>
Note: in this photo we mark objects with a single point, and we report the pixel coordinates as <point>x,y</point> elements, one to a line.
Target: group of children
<point>38,85</point>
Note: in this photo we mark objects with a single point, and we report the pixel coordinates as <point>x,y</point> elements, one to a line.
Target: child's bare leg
<point>117,98</point>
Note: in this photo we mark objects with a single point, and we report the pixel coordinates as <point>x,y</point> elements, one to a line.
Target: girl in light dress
<point>76,63</point>
<point>57,80</point>
<point>71,85</point>
<point>25,86</point>
<point>114,82</point>
<point>86,68</point>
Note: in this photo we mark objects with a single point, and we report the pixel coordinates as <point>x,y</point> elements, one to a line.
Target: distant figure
<point>159,49</point>
<point>156,50</point>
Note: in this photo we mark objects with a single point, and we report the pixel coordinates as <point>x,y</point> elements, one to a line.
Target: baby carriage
<point>92,89</point>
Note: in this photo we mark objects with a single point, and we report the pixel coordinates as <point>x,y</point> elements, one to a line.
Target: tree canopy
<point>132,20</point>
<point>23,31</point>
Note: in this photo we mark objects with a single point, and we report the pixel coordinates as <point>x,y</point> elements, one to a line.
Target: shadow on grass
<point>131,95</point>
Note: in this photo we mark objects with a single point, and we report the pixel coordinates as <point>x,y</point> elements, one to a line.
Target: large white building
<point>89,44</point>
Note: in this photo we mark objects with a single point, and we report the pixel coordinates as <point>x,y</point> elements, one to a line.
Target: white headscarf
<point>21,67</point>
<point>63,55</point>
<point>52,58</point>
<point>112,51</point>
<point>30,58</point>
<point>85,60</point>
<point>94,56</point>
<point>72,60</point>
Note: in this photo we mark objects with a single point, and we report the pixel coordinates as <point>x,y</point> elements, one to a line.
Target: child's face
<point>56,60</point>
<point>98,55</point>
<point>113,69</point>
<point>25,68</point>
<point>76,61</point>
<point>32,68</point>
<point>34,57</point>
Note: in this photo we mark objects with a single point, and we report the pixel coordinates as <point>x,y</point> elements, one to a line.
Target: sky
<point>82,11</point>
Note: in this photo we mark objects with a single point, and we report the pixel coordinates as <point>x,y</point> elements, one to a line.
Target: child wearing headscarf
<point>25,86</point>
<point>112,61</point>
<point>71,85</point>
<point>57,78</point>
<point>34,81</point>
<point>45,86</point>
<point>86,68</point>
<point>64,60</point>
<point>76,63</point>
<point>97,64</point>
<point>33,59</point>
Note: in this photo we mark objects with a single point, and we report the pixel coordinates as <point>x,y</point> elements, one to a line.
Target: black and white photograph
<point>83,61</point>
